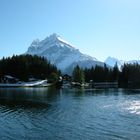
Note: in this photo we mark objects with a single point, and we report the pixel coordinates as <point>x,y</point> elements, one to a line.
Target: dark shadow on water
<point>131,91</point>
<point>45,97</point>
<point>23,103</point>
<point>24,97</point>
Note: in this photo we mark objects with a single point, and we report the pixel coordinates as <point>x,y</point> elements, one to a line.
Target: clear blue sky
<point>99,28</point>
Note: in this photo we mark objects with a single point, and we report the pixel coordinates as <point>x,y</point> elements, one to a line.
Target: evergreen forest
<point>25,66</point>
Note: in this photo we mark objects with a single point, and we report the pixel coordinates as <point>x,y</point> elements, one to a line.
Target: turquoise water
<point>69,114</point>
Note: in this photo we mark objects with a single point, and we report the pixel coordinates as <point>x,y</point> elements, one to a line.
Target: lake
<point>69,114</point>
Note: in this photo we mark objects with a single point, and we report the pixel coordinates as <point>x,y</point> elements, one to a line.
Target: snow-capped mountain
<point>112,61</point>
<point>61,53</point>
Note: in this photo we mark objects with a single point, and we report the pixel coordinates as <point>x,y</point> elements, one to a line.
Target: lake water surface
<point>69,114</point>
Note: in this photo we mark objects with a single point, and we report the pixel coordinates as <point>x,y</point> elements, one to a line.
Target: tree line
<point>25,66</point>
<point>127,76</point>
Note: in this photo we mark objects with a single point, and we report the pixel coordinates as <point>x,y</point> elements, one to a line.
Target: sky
<point>99,28</point>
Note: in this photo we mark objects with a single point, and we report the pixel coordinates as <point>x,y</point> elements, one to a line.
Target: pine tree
<point>115,73</point>
<point>78,75</point>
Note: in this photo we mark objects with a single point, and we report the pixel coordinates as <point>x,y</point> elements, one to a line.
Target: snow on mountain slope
<point>84,64</point>
<point>112,61</point>
<point>61,53</point>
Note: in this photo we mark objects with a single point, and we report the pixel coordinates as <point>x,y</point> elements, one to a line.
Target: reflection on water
<point>27,97</point>
<point>49,113</point>
<point>133,106</point>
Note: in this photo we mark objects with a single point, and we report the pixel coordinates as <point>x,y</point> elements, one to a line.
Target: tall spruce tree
<point>115,73</point>
<point>78,75</point>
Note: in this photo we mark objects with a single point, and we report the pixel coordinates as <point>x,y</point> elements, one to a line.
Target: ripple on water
<point>71,115</point>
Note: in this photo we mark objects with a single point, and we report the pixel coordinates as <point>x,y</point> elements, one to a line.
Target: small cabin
<point>66,77</point>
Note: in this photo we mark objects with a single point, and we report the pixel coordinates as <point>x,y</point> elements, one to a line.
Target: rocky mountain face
<point>61,53</point>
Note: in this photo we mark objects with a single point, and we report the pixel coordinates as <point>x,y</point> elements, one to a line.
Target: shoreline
<point>40,83</point>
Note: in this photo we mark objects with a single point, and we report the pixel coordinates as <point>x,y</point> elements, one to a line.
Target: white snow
<point>65,42</point>
<point>59,52</point>
<point>25,84</point>
<point>112,61</point>
<point>68,61</point>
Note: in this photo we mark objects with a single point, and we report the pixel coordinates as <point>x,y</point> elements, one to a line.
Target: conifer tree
<point>78,75</point>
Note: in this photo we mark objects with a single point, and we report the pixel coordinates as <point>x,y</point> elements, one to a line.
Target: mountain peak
<point>110,58</point>
<point>35,42</point>
<point>61,53</point>
<point>54,36</point>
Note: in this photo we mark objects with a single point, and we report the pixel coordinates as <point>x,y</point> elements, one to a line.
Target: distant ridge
<point>112,61</point>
